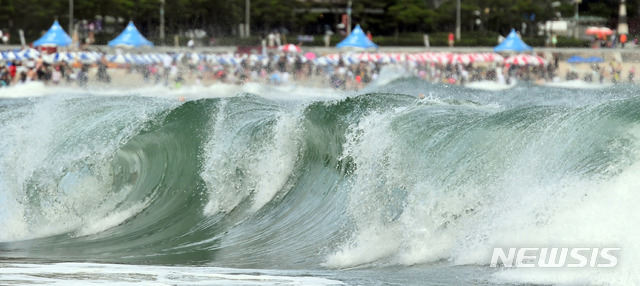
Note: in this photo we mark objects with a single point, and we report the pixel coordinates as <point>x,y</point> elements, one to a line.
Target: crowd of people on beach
<point>174,71</point>
<point>60,73</point>
<point>340,71</point>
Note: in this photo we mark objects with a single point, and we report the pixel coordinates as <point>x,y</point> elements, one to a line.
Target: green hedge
<point>468,39</point>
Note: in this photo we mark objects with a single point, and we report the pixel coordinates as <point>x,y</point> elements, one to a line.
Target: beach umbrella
<point>156,58</point>
<point>442,58</point>
<point>487,57</point>
<point>178,57</point>
<point>165,58</point>
<point>87,58</point>
<point>118,59</point>
<point>29,53</point>
<point>130,58</point>
<point>225,60</point>
<point>62,57</point>
<point>321,61</point>
<point>464,59</point>
<point>367,57</point>
<point>411,58</point>
<point>3,56</point>
<point>576,59</point>
<point>426,57</point>
<point>399,57</point>
<point>139,59</point>
<point>592,30</point>
<point>333,57</point>
<point>385,58</point>
<point>599,31</point>
<point>211,58</point>
<point>290,48</point>
<point>605,31</point>
<point>12,56</point>
<point>310,56</point>
<point>196,58</point>
<point>146,58</point>
<point>523,60</point>
<point>324,60</point>
<point>593,60</point>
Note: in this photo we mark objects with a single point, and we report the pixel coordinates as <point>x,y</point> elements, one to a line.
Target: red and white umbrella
<point>290,48</point>
<point>385,58</point>
<point>367,57</point>
<point>464,59</point>
<point>398,57</point>
<point>411,58</point>
<point>524,59</point>
<point>441,57</point>
<point>487,57</point>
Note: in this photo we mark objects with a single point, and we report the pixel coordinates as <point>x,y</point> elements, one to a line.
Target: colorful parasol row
<point>233,59</point>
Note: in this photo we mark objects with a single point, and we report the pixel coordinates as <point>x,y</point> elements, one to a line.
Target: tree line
<point>221,18</point>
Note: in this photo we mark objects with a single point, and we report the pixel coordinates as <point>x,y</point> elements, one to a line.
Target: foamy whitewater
<point>268,185</point>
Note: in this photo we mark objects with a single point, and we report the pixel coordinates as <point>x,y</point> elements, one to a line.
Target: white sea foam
<point>266,169</point>
<point>119,274</point>
<point>457,211</point>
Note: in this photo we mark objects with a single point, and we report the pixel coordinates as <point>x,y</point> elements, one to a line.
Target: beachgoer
<point>327,38</point>
<point>275,78</point>
<point>56,75</point>
<point>271,40</point>
<point>4,76</point>
<point>179,80</point>
<point>102,74</point>
<point>278,39</point>
<point>83,76</point>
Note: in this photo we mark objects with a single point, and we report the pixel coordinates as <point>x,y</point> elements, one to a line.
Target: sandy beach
<point>625,60</point>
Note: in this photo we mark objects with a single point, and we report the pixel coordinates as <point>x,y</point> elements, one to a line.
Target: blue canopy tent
<point>130,37</point>
<point>357,40</point>
<point>54,37</point>
<point>512,43</point>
